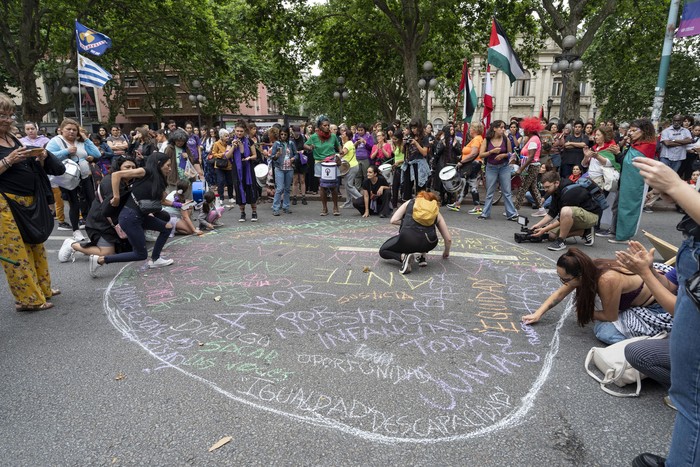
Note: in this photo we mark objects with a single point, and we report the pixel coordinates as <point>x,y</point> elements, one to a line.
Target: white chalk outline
<point>511,420</point>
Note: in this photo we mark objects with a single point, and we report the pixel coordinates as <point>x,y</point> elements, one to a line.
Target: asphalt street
<point>295,339</point>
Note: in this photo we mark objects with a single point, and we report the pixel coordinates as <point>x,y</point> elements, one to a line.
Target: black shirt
<point>577,196</point>
<point>573,156</point>
<point>143,189</point>
<point>19,179</point>
<point>372,188</point>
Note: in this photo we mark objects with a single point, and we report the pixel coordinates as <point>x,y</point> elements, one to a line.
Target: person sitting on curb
<point>576,210</point>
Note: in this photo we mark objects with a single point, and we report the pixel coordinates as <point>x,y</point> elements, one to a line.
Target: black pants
<point>224,178</point>
<point>383,204</point>
<point>80,200</point>
<point>408,184</point>
<point>408,241</point>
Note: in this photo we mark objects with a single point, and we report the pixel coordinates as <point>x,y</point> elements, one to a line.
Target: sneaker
<point>588,237</point>
<point>619,242</point>
<point>605,233</point>
<point>303,201</point>
<point>254,216</point>
<point>453,207</point>
<point>541,212</point>
<point>287,211</point>
<point>513,218</point>
<point>406,264</point>
<point>648,459</point>
<point>669,403</point>
<point>481,218</point>
<point>66,253</point>
<point>294,201</point>
<point>160,263</point>
<point>242,219</point>
<point>94,265</point>
<point>78,236</point>
<point>420,259</point>
<point>275,213</point>
<point>647,210</point>
<point>346,205</point>
<point>64,226</point>
<point>81,224</point>
<point>475,210</point>
<point>557,245</point>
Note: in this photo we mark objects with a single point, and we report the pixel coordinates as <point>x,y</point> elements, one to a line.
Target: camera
<point>408,140</point>
<point>525,234</point>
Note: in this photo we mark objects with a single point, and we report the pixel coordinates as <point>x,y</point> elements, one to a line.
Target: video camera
<point>525,234</point>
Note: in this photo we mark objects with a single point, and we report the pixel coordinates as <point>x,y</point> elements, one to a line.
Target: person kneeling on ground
<point>376,195</point>
<point>576,210</point>
<point>619,290</point>
<point>417,234</point>
<point>139,213</point>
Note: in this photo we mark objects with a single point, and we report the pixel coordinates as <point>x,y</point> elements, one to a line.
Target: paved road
<point>295,339</point>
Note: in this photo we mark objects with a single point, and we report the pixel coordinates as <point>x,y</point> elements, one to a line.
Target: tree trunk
<point>410,71</point>
<point>571,104</point>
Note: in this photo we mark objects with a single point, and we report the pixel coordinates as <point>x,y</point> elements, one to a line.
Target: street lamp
<point>73,91</point>
<point>427,81</point>
<point>550,102</point>
<point>341,93</point>
<point>197,99</point>
<point>566,62</point>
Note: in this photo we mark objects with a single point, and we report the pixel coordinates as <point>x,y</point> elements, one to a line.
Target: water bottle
<point>217,201</point>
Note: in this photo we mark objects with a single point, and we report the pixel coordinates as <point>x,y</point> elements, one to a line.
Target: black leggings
<point>80,199</point>
<point>408,241</point>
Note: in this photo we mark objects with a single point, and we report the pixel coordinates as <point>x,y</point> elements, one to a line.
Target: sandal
<point>55,292</point>
<point>44,306</point>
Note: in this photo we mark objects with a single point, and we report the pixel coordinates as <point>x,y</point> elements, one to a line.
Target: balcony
<point>522,101</point>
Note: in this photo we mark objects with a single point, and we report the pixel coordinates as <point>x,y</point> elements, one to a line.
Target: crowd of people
<point>120,189</point>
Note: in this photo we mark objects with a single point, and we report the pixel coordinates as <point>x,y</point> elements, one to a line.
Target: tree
<point>561,19</point>
<point>626,63</point>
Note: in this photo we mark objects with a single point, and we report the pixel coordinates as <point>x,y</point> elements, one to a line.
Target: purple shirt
<point>362,151</point>
<point>40,141</point>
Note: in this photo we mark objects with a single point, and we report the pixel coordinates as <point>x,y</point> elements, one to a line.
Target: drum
<point>387,172</point>
<point>70,179</point>
<point>451,179</point>
<point>344,168</point>
<point>261,175</point>
<point>329,171</point>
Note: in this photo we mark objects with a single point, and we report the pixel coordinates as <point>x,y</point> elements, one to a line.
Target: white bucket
<point>261,174</point>
<point>385,170</point>
<point>451,179</point>
<point>329,171</point>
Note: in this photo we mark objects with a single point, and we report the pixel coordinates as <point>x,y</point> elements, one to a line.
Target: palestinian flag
<point>501,54</point>
<point>488,100</point>
<point>466,88</point>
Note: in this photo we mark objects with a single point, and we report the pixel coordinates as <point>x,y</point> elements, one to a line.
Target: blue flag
<point>91,74</point>
<point>91,41</point>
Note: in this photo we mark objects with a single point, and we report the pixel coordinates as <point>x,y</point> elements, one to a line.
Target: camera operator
<point>576,210</point>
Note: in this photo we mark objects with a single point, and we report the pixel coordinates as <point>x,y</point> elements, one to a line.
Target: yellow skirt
<point>30,281</point>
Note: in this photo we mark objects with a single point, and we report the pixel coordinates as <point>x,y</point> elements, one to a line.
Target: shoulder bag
<point>148,206</point>
<point>615,368</point>
<point>35,222</point>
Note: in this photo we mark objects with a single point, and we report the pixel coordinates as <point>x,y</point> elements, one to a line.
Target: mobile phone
<point>34,151</point>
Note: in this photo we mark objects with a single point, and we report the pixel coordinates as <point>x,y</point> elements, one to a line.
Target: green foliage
<point>625,63</point>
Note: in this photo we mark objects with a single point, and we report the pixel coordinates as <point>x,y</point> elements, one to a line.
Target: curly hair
<point>531,125</point>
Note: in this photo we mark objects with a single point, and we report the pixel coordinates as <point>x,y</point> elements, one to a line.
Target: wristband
<point>177,204</point>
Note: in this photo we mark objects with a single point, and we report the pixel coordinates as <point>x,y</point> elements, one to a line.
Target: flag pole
<point>77,63</point>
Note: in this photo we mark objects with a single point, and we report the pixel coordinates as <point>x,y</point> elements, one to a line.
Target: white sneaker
<point>541,212</point>
<point>94,265</point>
<point>78,236</point>
<point>160,263</point>
<point>66,253</point>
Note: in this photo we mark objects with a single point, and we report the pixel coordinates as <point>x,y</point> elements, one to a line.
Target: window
<point>556,87</point>
<point>172,79</point>
<point>582,87</point>
<point>521,87</point>
<point>131,83</point>
<point>133,103</point>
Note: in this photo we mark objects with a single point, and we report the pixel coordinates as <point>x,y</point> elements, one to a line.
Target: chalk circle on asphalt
<point>309,323</point>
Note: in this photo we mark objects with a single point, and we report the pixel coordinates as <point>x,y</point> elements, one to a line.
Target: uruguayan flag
<point>91,74</point>
<point>91,41</point>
